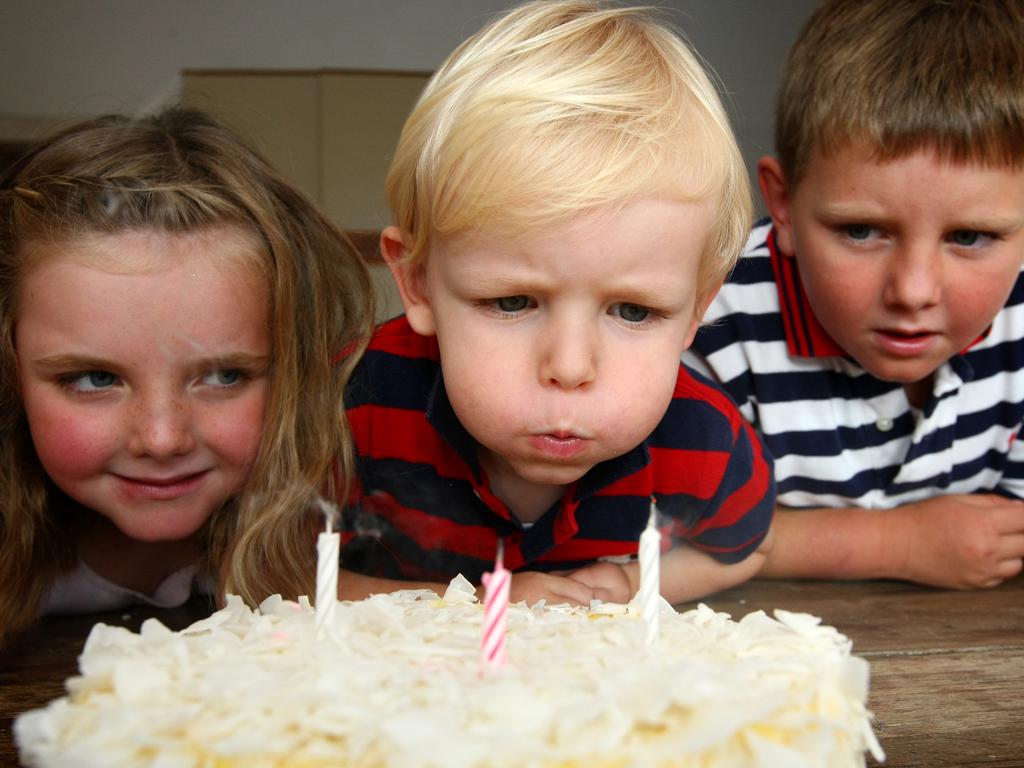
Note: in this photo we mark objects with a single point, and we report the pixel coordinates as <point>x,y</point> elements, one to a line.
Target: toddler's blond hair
<point>555,108</point>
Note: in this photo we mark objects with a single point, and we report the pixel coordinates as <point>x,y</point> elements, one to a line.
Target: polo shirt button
<point>884,424</point>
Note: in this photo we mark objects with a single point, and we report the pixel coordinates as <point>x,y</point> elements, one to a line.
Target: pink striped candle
<point>496,591</point>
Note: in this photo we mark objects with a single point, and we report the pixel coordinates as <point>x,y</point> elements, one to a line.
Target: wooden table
<point>947,668</point>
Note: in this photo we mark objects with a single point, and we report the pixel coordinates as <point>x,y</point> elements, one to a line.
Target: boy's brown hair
<point>898,76</point>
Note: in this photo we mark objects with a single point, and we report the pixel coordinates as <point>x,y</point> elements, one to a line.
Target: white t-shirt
<point>82,590</point>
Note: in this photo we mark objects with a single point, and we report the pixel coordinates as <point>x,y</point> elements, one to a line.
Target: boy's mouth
<point>905,342</point>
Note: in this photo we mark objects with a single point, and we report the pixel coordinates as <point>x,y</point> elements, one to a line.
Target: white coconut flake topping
<point>394,682</point>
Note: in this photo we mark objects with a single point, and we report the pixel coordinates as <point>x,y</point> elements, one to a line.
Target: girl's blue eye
<point>226,377</point>
<point>633,313</point>
<point>512,303</point>
<point>966,237</point>
<point>858,231</point>
<point>92,381</point>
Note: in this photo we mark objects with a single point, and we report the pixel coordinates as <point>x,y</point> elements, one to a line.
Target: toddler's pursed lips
<point>562,434</point>
<point>560,446</point>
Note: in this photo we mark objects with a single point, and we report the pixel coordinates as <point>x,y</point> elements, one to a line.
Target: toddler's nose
<point>569,357</point>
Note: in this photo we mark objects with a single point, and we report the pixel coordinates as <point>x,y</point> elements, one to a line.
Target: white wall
<point>65,58</point>
<point>89,56</point>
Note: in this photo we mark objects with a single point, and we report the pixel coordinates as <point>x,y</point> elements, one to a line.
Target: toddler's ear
<point>698,313</point>
<point>776,196</point>
<point>410,279</point>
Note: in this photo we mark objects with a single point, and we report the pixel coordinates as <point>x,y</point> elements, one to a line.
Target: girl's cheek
<point>236,433</point>
<point>71,446</point>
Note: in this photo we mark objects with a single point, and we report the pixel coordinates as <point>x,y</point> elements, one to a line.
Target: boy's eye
<point>512,303</point>
<point>90,381</point>
<point>632,313</point>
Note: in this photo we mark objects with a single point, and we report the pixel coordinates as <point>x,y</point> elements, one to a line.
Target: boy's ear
<point>410,279</point>
<point>775,193</point>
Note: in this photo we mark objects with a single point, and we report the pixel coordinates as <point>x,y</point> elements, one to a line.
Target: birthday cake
<point>396,681</point>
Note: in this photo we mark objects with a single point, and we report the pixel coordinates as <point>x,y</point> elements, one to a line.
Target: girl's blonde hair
<point>181,171</point>
<point>899,76</point>
<point>559,107</point>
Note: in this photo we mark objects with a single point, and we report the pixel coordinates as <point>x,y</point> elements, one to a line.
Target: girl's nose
<point>161,427</point>
<point>915,277</point>
<point>569,356</point>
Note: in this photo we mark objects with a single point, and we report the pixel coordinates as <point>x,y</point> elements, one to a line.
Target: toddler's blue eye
<point>858,231</point>
<point>966,237</point>
<point>512,303</point>
<point>633,313</point>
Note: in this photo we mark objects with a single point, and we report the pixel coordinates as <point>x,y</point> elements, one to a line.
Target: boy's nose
<point>161,428</point>
<point>569,357</point>
<point>915,277</point>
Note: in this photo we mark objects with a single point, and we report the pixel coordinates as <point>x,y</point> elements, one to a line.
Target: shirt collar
<point>805,336</point>
<point>442,417</point>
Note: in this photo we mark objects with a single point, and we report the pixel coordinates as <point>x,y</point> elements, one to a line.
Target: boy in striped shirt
<point>873,331</point>
<point>567,194</point>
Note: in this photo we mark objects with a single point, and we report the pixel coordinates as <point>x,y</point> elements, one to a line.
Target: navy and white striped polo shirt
<point>424,509</point>
<point>839,436</point>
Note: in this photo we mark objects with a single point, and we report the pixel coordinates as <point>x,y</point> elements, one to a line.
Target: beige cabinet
<point>330,132</point>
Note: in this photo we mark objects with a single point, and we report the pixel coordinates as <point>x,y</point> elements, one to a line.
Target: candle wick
<point>500,557</point>
<point>329,511</point>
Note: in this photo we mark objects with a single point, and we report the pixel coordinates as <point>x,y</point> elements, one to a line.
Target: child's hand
<point>534,586</point>
<point>610,582</point>
<point>963,541</point>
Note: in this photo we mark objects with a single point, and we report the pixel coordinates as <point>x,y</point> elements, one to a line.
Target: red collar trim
<point>805,336</point>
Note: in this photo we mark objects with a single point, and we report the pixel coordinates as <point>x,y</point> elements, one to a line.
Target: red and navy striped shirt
<point>423,508</point>
<point>841,437</point>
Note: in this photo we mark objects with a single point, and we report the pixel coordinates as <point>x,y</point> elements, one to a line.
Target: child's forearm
<point>688,574</point>
<point>849,543</point>
<point>963,541</point>
<point>356,586</point>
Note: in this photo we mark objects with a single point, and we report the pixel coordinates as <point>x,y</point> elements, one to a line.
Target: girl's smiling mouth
<point>161,489</point>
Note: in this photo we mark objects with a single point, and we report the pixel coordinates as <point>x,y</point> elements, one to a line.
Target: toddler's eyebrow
<point>992,223</point>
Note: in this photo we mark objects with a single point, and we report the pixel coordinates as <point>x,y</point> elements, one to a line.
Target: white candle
<point>650,576</point>
<point>328,546</point>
